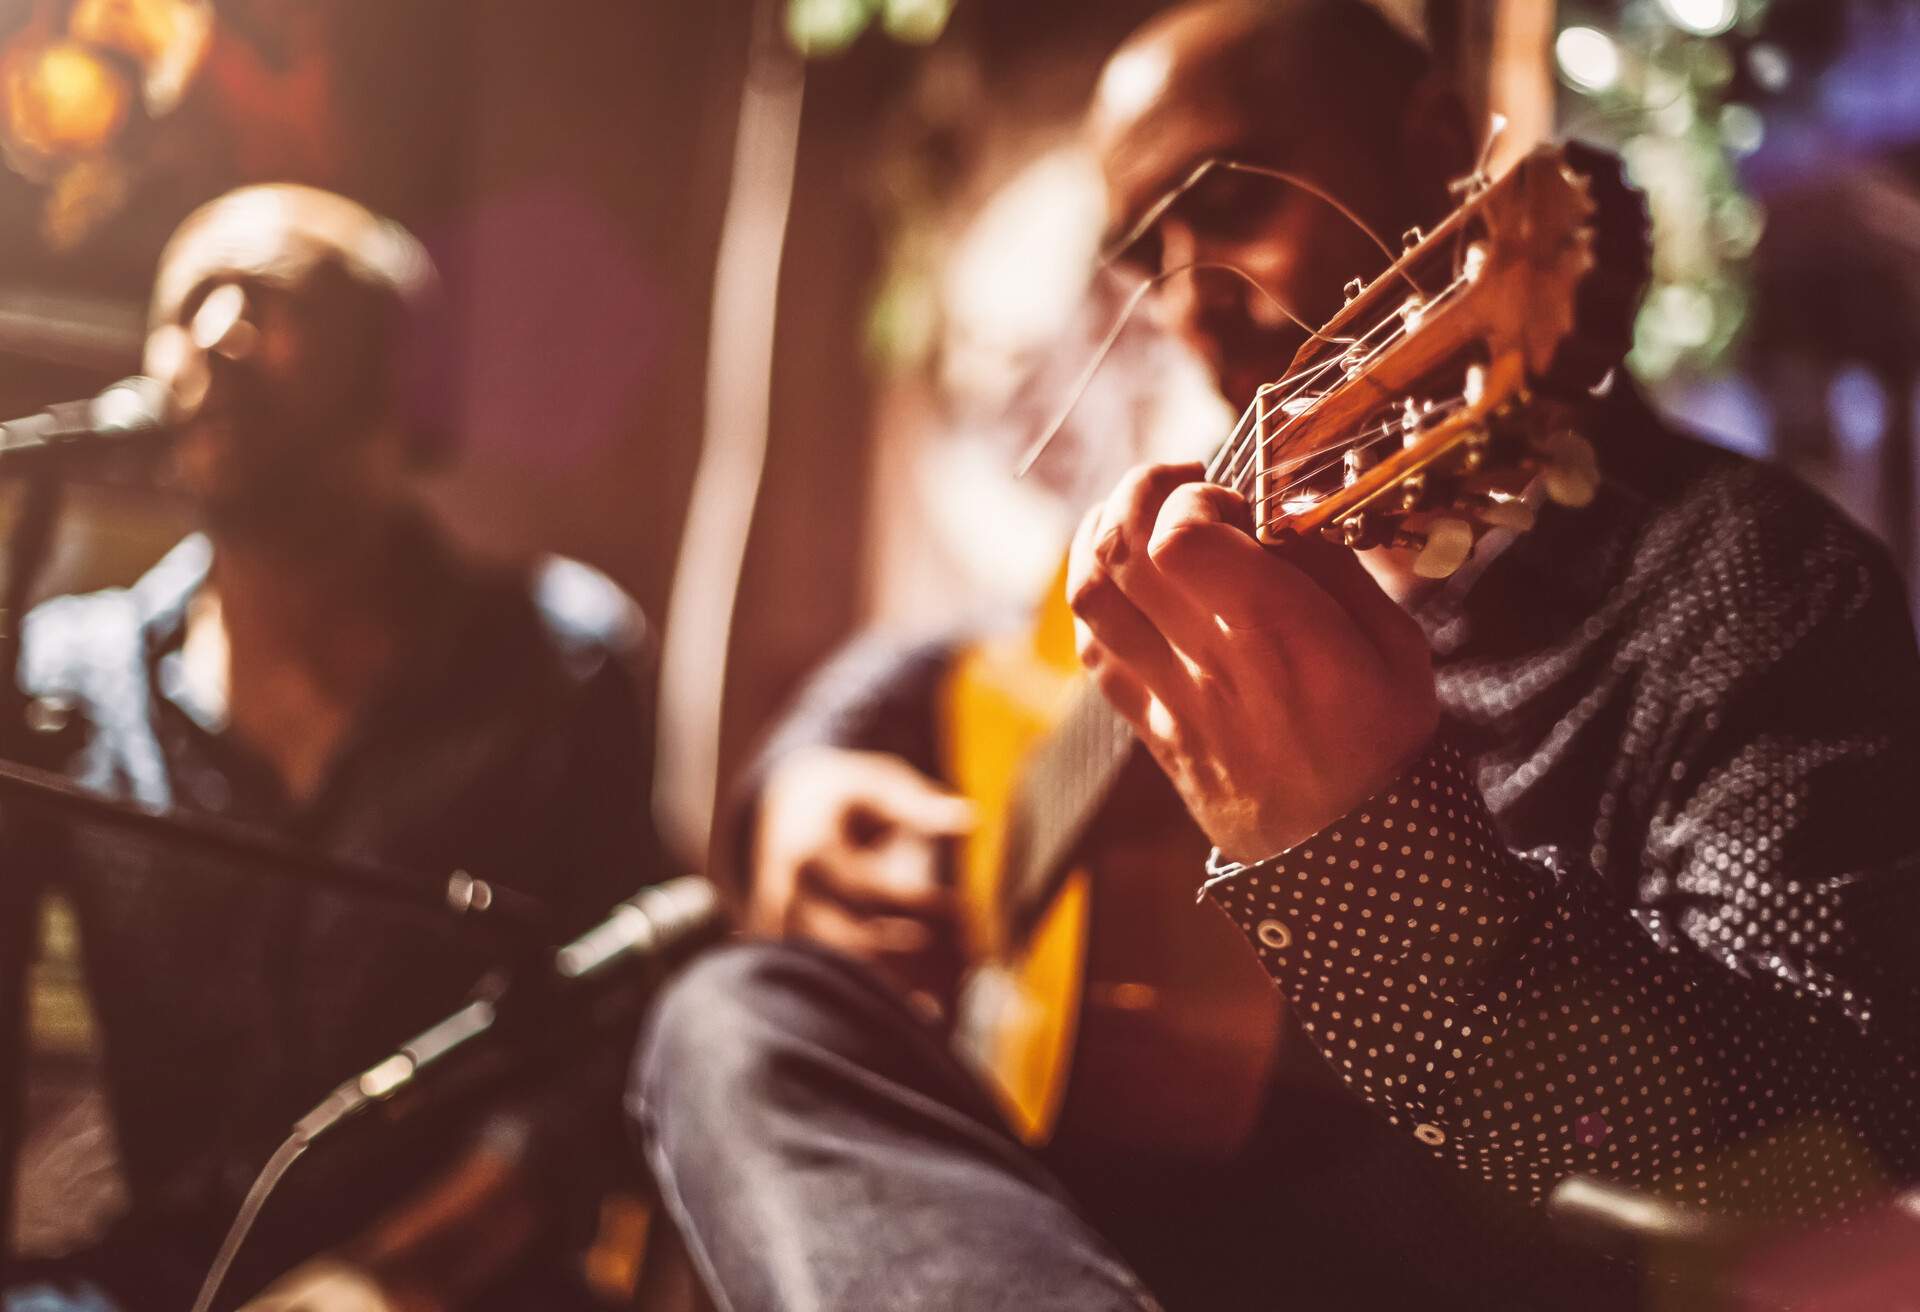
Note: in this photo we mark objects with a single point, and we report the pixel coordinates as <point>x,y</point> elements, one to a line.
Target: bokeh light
<point>1742,128</point>
<point>1588,58</point>
<point>826,27</point>
<point>1771,67</point>
<point>64,99</point>
<point>918,22</point>
<point>819,28</point>
<point>1702,17</point>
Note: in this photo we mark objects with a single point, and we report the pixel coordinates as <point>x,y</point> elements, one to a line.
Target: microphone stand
<point>513,920</point>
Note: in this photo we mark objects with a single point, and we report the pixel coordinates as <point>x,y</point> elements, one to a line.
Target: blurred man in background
<point>1702,690</point>
<point>321,662</point>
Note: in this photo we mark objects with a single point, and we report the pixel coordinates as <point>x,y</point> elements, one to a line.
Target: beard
<point>296,493</point>
<point>279,470</point>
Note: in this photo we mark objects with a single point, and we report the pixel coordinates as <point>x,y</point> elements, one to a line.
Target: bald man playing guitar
<point>1591,861</point>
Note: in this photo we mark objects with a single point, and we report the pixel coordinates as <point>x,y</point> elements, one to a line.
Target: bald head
<point>280,235</point>
<point>284,324</point>
<point>1292,84</point>
<point>308,292</point>
<point>1327,92</point>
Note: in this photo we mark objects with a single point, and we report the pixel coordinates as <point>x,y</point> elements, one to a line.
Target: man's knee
<point>724,1026</point>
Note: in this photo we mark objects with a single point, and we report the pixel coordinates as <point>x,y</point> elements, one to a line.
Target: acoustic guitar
<point>1440,405</point>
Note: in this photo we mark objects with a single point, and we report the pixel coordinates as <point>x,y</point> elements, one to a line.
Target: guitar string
<point>1471,187</point>
<point>1236,461</point>
<point>1399,331</point>
<point>1237,456</point>
<point>1333,451</point>
<point>1237,451</point>
<point>1360,442</point>
<point>1135,298</point>
<point>1372,438</point>
<point>1158,210</point>
<point>1439,411</point>
<point>1348,360</point>
<point>1234,452</point>
<point>1305,377</point>
<point>1169,199</point>
<point>1154,212</point>
<point>1394,320</point>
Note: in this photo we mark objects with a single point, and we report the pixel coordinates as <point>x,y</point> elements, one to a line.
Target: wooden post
<point>1500,56</point>
<point>1520,77</point>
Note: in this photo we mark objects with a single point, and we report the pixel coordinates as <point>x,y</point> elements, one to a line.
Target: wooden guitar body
<point>1119,1011</point>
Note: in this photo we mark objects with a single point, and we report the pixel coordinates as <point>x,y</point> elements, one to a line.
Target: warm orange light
<point>64,99</point>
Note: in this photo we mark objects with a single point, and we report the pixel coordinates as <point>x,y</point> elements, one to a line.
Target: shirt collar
<point>164,595</point>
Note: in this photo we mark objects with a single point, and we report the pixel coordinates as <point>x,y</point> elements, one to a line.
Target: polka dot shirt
<point>1647,910</point>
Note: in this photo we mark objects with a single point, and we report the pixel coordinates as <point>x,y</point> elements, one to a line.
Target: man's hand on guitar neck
<point>848,853</point>
<point>1278,690</point>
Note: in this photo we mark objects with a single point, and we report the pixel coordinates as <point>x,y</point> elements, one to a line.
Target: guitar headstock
<point>1439,401</point>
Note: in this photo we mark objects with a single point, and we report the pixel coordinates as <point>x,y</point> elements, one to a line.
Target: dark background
<point>567,163</point>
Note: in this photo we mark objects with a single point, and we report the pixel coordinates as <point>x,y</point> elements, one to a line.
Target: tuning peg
<point>1439,551</point>
<point>1570,469</point>
<point>1474,451</point>
<point>1413,491</point>
<point>1474,388</point>
<point>1356,461</point>
<point>1359,532</point>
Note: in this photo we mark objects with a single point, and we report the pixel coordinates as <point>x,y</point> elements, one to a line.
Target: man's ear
<point>1437,144</point>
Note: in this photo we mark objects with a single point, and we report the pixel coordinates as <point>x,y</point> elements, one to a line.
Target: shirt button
<point>1430,1135</point>
<point>1274,934</point>
<point>49,715</point>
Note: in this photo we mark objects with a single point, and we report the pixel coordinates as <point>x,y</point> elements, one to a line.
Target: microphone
<point>647,932</point>
<point>641,936</point>
<point>129,415</point>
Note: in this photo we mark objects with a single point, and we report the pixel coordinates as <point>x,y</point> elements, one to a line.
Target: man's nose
<point>223,326</point>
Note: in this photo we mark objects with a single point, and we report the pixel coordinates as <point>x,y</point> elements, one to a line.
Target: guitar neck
<point>1064,784</point>
<point>1067,778</point>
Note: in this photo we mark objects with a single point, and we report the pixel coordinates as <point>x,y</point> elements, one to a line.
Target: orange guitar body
<point>1122,1012</point>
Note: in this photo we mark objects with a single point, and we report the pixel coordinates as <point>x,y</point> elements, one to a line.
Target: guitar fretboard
<point>1062,788</point>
